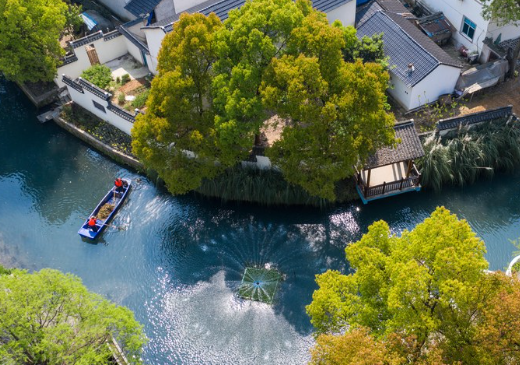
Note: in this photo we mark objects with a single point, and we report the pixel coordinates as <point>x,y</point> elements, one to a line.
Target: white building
<point>420,71</point>
<point>471,27</point>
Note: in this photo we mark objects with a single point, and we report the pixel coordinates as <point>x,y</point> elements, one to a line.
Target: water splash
<point>260,284</point>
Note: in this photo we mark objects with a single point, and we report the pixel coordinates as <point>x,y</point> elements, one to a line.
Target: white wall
<point>399,91</point>
<point>440,81</point>
<point>118,7</point>
<point>455,10</point>
<point>345,13</point>
<point>85,100</point>
<point>106,51</point>
<point>154,38</point>
<point>134,51</point>
<point>509,31</point>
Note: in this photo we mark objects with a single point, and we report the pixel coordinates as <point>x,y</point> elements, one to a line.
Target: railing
<point>412,181</point>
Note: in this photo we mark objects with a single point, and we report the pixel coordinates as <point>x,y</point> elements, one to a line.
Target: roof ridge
<point>386,13</point>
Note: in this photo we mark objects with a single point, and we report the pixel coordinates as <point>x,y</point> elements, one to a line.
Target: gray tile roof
<point>139,7</point>
<point>364,12</point>
<point>222,8</point>
<point>404,43</point>
<point>498,114</point>
<point>409,148</point>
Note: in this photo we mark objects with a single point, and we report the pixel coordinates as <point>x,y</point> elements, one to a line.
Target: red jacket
<point>118,183</point>
<point>92,222</point>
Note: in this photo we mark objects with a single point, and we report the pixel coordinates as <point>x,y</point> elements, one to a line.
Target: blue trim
<point>150,17</point>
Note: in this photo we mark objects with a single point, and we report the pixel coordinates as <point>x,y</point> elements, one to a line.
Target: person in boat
<point>92,223</point>
<point>119,186</point>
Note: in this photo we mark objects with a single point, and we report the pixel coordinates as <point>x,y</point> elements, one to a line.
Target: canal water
<point>177,262</point>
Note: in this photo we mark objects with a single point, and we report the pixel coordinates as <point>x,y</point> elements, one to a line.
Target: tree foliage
<point>99,75</point>
<point>50,318</point>
<point>29,34</point>
<point>177,137</point>
<point>217,86</point>
<point>421,298</point>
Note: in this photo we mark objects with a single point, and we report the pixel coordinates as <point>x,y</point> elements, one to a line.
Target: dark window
<point>468,28</point>
<point>99,106</point>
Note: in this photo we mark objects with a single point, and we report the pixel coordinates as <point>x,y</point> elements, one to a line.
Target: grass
<point>267,187</point>
<point>467,155</point>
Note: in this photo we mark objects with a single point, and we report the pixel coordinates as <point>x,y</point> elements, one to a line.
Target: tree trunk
<point>512,60</point>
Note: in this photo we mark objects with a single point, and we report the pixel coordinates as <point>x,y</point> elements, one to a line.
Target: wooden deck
<point>386,181</point>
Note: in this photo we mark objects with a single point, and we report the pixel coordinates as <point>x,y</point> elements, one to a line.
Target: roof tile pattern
<point>141,7</point>
<point>474,118</point>
<point>404,43</point>
<point>409,148</point>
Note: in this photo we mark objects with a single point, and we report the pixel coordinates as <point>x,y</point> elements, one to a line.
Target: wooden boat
<point>113,198</point>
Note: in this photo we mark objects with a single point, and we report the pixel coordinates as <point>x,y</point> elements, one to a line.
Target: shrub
<point>99,75</point>
<point>121,98</point>
<point>125,78</point>
<point>140,100</point>
<point>118,80</point>
<point>463,158</point>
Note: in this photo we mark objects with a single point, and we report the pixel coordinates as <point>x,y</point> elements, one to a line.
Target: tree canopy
<point>422,297</point>
<point>29,37</point>
<point>50,318</point>
<point>218,84</point>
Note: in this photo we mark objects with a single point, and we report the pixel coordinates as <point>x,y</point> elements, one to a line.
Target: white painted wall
<point>106,51</point>
<point>118,7</point>
<point>399,91</point>
<point>134,51</point>
<point>455,10</point>
<point>154,38</point>
<point>345,13</point>
<point>85,101</point>
<point>509,31</point>
<point>440,81</point>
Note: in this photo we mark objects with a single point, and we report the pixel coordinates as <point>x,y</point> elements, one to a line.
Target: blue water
<point>177,261</point>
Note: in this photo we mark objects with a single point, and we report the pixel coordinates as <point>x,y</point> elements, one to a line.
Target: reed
<point>467,155</point>
<point>266,187</point>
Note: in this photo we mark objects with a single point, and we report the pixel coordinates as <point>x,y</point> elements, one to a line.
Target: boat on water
<point>105,210</point>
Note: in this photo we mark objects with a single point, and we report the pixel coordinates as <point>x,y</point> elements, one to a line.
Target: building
<point>391,171</point>
<point>471,29</point>
<point>420,71</point>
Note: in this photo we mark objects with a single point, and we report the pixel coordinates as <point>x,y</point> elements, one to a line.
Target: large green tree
<point>217,85</point>
<point>504,12</point>
<point>50,318</point>
<point>29,37</point>
<point>176,137</point>
<point>423,297</point>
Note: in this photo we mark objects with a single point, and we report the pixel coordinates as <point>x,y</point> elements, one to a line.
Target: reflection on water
<point>177,262</point>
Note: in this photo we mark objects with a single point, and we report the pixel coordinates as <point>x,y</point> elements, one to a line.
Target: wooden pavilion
<point>391,171</point>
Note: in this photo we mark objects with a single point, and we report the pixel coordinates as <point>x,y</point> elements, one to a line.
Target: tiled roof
<point>132,38</point>
<point>509,43</point>
<point>222,8</point>
<point>141,7</point>
<point>364,12</point>
<point>485,116</point>
<point>409,148</point>
<point>404,43</point>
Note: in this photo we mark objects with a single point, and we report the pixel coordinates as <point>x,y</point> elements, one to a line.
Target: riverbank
<point>241,184</point>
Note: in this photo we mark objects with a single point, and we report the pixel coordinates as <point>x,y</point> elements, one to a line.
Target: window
<point>468,28</point>
<point>99,106</point>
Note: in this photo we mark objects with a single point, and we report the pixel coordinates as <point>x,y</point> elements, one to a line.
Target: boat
<point>112,197</point>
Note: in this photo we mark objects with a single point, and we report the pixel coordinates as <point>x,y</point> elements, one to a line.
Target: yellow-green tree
<point>218,83</point>
<point>176,136</point>
<point>29,37</point>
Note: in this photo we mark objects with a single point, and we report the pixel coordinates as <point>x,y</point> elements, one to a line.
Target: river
<point>177,261</point>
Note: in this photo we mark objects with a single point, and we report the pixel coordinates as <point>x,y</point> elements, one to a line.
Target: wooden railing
<point>369,191</point>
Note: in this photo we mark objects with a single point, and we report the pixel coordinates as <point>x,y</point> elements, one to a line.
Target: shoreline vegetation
<point>459,158</point>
